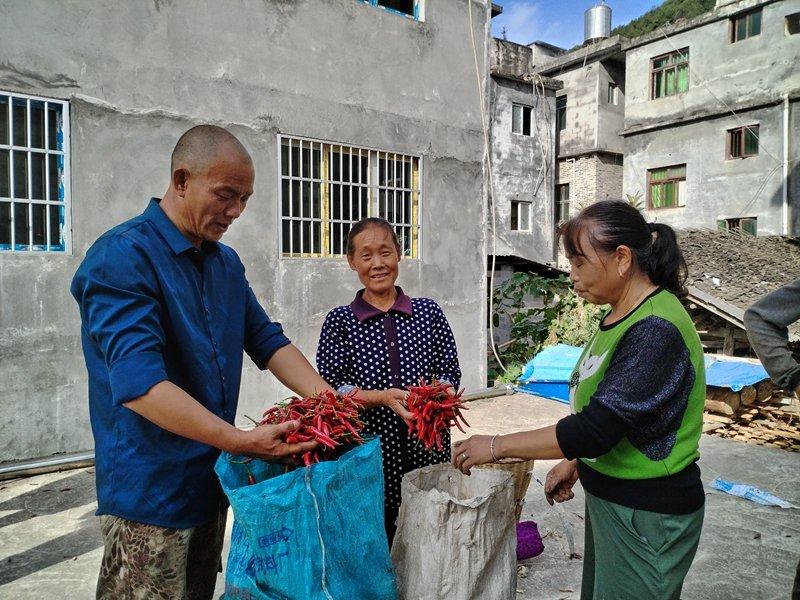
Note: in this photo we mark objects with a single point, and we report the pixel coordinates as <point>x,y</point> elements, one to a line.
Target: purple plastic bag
<point>529,542</point>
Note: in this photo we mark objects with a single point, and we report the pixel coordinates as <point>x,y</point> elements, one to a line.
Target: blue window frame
<point>34,173</point>
<point>407,8</point>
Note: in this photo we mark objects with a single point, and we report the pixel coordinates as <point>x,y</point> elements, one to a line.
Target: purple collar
<point>363,310</point>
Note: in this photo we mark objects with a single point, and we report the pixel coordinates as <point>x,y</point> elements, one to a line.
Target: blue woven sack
<point>314,532</point>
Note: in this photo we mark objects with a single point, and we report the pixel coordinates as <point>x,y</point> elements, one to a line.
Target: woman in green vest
<point>637,399</point>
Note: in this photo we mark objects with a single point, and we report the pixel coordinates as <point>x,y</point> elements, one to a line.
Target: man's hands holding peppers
<point>266,442</point>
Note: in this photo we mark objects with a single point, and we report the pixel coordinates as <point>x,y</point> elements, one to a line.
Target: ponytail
<point>664,263</point>
<point>616,223</point>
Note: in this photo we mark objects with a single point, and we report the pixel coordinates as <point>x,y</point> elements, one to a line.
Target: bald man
<point>166,312</point>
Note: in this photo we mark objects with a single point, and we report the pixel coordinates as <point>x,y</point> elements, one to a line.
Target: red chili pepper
<point>330,419</point>
<point>433,411</point>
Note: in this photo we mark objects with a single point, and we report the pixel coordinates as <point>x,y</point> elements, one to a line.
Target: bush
<point>562,317</point>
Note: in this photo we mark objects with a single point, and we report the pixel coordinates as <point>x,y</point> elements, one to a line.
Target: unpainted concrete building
<point>590,112</point>
<point>711,119</point>
<point>522,133</point>
<point>348,108</point>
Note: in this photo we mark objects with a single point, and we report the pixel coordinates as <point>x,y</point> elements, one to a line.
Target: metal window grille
<point>743,142</point>
<point>669,74</point>
<point>34,173</point>
<point>326,188</point>
<point>409,8</point>
<point>665,187</point>
<point>745,25</point>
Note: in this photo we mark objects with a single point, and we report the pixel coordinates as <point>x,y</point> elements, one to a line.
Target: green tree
<point>668,12</point>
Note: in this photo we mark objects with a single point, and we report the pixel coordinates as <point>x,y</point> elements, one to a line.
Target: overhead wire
<point>699,78</point>
<point>488,158</point>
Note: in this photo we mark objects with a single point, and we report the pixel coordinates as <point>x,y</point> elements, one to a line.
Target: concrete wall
<point>581,86</point>
<point>716,187</point>
<point>755,70</point>
<point>524,169</point>
<point>139,74</point>
<point>610,117</point>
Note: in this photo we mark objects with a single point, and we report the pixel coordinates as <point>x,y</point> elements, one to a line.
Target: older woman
<point>382,342</point>
<point>637,395</point>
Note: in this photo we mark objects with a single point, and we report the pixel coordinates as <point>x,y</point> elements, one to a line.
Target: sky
<point>558,22</point>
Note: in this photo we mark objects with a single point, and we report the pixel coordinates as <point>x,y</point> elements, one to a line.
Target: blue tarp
<point>733,374</point>
<point>547,374</point>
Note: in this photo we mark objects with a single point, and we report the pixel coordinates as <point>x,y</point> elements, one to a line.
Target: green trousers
<point>636,554</point>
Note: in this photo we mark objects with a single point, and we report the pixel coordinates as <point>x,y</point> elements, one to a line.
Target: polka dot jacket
<point>365,347</point>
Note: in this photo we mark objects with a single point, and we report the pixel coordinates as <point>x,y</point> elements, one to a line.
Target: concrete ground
<point>50,542</point>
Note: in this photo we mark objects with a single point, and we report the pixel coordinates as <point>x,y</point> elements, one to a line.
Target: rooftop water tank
<point>597,23</point>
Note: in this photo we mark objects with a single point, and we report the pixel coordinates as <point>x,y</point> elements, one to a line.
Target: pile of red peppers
<point>329,418</point>
<point>434,412</point>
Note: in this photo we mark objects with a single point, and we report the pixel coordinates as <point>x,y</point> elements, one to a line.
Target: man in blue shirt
<point>166,313</point>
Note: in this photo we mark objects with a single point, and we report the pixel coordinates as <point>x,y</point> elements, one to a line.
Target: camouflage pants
<point>144,561</point>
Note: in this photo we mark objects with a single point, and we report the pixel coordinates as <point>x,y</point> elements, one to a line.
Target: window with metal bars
<point>743,142</point>
<point>34,195</point>
<point>669,74</point>
<point>745,25</point>
<point>326,188</point>
<point>410,8</point>
<point>665,187</point>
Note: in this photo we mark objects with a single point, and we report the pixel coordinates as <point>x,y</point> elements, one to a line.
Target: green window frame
<point>745,25</point>
<point>748,225</point>
<point>742,142</point>
<point>665,187</point>
<point>669,74</point>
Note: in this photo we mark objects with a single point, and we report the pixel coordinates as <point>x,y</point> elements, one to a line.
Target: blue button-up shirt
<point>155,308</point>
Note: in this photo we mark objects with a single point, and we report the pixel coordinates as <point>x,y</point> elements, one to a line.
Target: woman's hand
<point>395,399</point>
<point>559,481</point>
<point>472,452</point>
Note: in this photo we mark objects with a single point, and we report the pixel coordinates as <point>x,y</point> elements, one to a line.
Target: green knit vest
<point>624,461</point>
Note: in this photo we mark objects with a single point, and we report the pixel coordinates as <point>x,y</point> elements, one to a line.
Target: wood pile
<point>759,414</point>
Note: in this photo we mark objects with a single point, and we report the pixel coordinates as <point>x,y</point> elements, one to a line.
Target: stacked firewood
<point>759,414</point>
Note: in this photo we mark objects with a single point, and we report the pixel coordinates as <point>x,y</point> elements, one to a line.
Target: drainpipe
<point>492,392</point>
<point>62,462</point>
<point>786,164</point>
<point>572,179</point>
